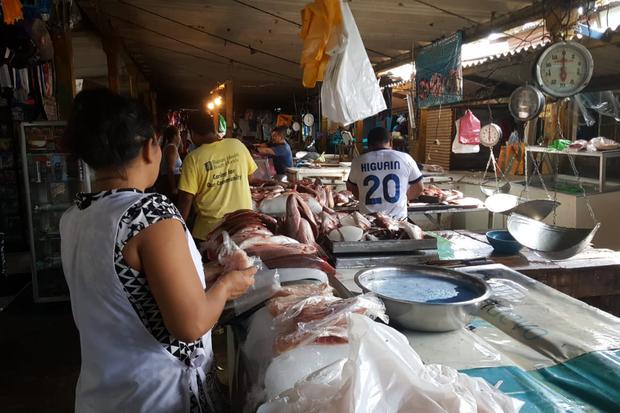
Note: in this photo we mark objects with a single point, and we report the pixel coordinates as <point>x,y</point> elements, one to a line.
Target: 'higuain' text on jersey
<point>382,178</point>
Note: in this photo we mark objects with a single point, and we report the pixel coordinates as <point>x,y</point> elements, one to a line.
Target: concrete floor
<point>39,356</point>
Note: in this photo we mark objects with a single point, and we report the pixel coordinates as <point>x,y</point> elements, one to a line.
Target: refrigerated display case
<point>52,177</point>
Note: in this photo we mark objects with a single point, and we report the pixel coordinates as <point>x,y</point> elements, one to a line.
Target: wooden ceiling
<point>187,47</point>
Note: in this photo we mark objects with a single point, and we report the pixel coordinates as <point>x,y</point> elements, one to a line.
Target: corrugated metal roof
<point>537,46</point>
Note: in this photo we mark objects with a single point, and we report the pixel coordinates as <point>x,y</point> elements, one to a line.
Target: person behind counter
<point>215,176</point>
<point>135,275</point>
<point>384,180</point>
<point>171,163</point>
<point>279,150</point>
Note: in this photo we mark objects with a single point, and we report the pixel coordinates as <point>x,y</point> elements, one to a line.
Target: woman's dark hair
<point>280,130</point>
<point>169,133</point>
<point>201,123</point>
<point>106,129</point>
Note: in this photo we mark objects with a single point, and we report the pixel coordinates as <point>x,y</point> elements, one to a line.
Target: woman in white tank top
<point>140,299</point>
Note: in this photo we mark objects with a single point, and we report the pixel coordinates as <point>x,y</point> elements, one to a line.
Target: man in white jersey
<point>384,180</point>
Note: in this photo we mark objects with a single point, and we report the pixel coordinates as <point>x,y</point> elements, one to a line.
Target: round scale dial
<point>564,69</point>
<point>526,102</point>
<point>296,127</point>
<point>308,119</point>
<point>490,135</point>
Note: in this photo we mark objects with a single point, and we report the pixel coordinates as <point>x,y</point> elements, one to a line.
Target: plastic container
<point>502,242</point>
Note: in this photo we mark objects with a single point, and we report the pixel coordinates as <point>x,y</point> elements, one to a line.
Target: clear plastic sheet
<point>288,296</point>
<point>605,103</point>
<point>382,373</point>
<point>231,257</point>
<point>322,319</point>
<point>266,285</point>
<point>350,90</point>
<point>266,281</point>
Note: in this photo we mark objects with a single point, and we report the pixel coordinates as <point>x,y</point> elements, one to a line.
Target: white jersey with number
<point>382,178</point>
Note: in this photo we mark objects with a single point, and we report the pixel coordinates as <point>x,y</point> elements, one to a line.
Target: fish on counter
<point>271,197</point>
<point>290,244</point>
<point>339,226</point>
<point>432,194</point>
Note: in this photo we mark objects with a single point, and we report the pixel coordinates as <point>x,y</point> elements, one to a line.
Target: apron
<point>124,368</point>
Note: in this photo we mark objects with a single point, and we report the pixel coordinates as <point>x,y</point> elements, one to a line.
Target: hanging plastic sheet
<point>605,103</point>
<point>350,91</point>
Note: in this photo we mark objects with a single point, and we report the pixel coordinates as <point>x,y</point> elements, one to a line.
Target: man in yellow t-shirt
<point>215,176</point>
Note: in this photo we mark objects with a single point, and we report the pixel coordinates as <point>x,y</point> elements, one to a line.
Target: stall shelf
<point>547,153</point>
<point>51,179</point>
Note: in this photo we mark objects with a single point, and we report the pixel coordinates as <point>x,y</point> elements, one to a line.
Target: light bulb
<point>218,101</point>
<point>210,106</point>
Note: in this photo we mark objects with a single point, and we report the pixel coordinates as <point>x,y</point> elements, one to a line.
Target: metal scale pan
<point>507,204</point>
<point>489,190</point>
<point>550,241</point>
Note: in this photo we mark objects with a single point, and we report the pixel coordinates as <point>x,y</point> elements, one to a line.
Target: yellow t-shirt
<point>217,175</point>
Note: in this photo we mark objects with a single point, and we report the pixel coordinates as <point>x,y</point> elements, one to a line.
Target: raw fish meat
<point>266,240</point>
<point>305,234</point>
<point>413,231</point>
<point>231,257</point>
<point>271,251</point>
<point>322,320</point>
<point>288,296</point>
<point>387,222</point>
<point>300,261</point>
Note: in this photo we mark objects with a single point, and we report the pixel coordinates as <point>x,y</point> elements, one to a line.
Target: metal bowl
<point>550,241</point>
<point>502,242</point>
<point>425,316</point>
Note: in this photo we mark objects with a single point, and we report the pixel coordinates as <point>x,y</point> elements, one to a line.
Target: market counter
<point>530,340</point>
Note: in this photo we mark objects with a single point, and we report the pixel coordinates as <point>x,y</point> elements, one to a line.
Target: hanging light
<point>218,101</point>
<point>210,106</point>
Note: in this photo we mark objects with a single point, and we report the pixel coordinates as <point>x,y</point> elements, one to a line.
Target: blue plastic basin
<point>502,242</point>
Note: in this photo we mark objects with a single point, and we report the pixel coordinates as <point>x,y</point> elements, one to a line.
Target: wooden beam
<point>153,98</point>
<point>111,48</point>
<point>359,135</point>
<point>65,75</point>
<point>228,102</point>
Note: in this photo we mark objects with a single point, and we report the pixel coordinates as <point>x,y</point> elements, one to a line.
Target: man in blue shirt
<point>279,150</point>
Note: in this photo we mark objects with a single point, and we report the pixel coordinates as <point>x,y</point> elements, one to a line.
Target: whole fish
<point>413,231</point>
<point>275,240</point>
<point>293,217</point>
<point>305,235</point>
<point>272,251</point>
<point>300,261</point>
<point>306,213</point>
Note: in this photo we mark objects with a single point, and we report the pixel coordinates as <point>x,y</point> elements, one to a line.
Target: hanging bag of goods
<point>512,159</point>
<point>469,129</point>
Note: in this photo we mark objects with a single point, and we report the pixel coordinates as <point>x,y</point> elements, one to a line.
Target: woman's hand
<point>212,271</point>
<point>236,283</point>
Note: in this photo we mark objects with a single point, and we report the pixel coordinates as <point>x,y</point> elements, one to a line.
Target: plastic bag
<point>322,320</point>
<point>458,147</point>
<point>231,257</point>
<point>288,296</point>
<point>382,373</point>
<point>605,103</point>
<point>604,144</point>
<point>350,90</point>
<point>559,144</point>
<point>266,285</point>
<point>469,129</point>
